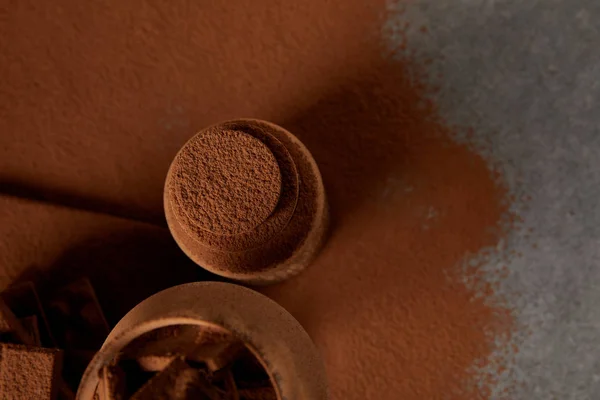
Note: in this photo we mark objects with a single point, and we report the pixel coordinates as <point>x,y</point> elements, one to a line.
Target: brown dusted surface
<point>125,261</point>
<point>97,100</point>
<point>28,373</point>
<point>226,182</point>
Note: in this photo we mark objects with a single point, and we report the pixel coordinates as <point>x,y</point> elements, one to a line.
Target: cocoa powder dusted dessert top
<point>227,183</point>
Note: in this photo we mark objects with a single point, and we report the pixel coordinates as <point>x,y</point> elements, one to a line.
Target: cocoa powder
<point>380,287</point>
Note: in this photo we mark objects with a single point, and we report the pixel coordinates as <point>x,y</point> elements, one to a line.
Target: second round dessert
<point>245,200</point>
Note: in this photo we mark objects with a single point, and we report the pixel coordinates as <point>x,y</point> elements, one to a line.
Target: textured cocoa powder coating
<point>28,373</point>
<point>227,181</point>
<point>280,246</point>
<point>278,219</point>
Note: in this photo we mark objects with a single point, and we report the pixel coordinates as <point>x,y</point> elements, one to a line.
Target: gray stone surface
<point>526,76</point>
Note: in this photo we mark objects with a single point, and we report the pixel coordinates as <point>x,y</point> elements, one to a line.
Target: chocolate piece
<point>75,317</point>
<point>10,327</point>
<point>154,363</point>
<point>178,381</point>
<point>157,349</point>
<point>78,325</point>
<point>248,372</point>
<point>169,341</point>
<point>24,301</point>
<point>30,325</point>
<point>76,361</point>
<point>112,382</point>
<point>29,373</point>
<point>135,377</point>
<point>269,247</point>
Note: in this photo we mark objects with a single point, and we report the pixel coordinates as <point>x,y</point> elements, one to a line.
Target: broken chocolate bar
<point>24,301</point>
<point>11,329</point>
<point>75,317</point>
<point>112,383</point>
<point>30,325</point>
<point>178,381</point>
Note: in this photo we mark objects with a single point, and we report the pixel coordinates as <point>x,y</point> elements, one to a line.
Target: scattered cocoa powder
<point>287,239</point>
<point>28,373</point>
<point>409,206</point>
<point>10,327</point>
